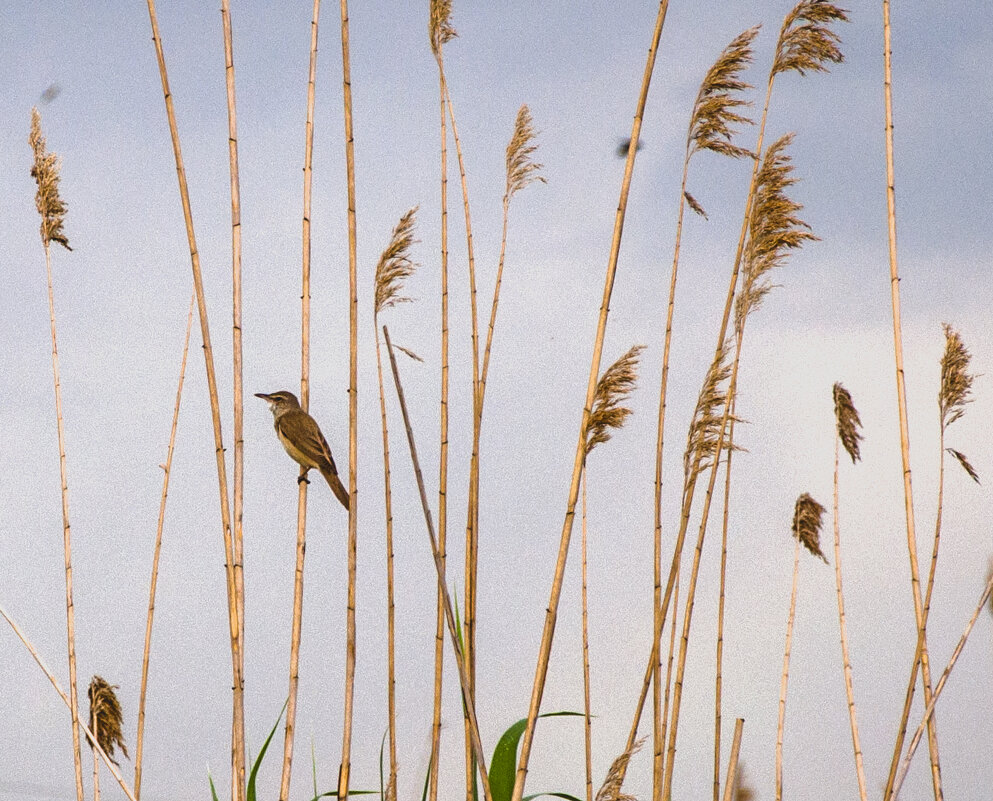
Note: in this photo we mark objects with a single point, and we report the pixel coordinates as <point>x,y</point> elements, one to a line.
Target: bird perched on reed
<point>303,440</point>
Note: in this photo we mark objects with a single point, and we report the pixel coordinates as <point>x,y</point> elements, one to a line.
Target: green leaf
<point>213,792</point>
<point>503,766</point>
<point>557,795</point>
<point>427,779</point>
<point>250,790</point>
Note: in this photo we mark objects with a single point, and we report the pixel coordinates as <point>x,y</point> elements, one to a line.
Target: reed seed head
<point>807,518</point>
<point>714,119</point>
<point>708,416</point>
<point>440,24</point>
<point>612,390</point>
<point>774,229</point>
<point>742,789</point>
<point>610,790</point>
<point>962,460</point>
<point>806,41</point>
<point>106,717</point>
<point>694,205</point>
<point>395,265</point>
<point>956,380</point>
<point>45,171</point>
<point>847,418</point>
<point>521,167</point>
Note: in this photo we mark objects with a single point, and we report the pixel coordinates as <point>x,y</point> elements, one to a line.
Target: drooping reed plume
<point>111,765</point>
<point>233,601</point>
<point>45,171</point>
<point>548,632</point>
<point>921,655</point>
<point>157,550</point>
<point>616,383</point>
<point>296,622</point>
<point>611,790</point>
<point>807,517</point>
<point>441,31</point>
<point>713,124</point>
<point>393,269</point>
<point>954,395</point>
<point>106,722</point>
<point>849,435</point>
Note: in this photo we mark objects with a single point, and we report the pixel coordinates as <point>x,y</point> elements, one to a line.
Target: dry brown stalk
<point>111,765</point>
<point>394,267</point>
<point>45,171</point>
<point>441,31</point>
<point>470,707</point>
<point>848,434</point>
<point>548,631</point>
<point>587,713</point>
<point>986,596</point>
<point>234,617</point>
<point>167,472</point>
<point>353,410</point>
<point>921,650</point>
<point>731,783</point>
<point>238,483</point>
<point>296,621</point>
<point>807,516</point>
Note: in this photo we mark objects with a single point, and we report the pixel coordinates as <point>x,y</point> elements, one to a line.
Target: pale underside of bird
<point>302,439</point>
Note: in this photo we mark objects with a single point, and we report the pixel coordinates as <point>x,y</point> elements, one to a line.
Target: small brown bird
<point>303,440</point>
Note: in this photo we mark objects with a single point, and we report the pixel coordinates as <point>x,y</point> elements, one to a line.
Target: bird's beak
<point>263,396</point>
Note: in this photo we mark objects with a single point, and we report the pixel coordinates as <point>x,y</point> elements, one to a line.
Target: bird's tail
<point>336,486</point>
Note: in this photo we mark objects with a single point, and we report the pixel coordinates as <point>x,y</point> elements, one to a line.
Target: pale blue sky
<point>122,295</point>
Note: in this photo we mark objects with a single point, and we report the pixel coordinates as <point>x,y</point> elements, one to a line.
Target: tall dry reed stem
<point>45,171</point>
<point>987,594</point>
<point>296,622</point>
<point>353,410</point>
<point>712,126</point>
<point>111,765</point>
<point>848,434</point>
<point>238,485</point>
<point>814,17</point>
<point>548,631</point>
<point>954,393</point>
<point>441,31</point>
<point>460,663</point>
<point>234,617</point>
<point>774,230</point>
<point>807,516</point>
<point>732,775</point>
<point>587,707</point>
<point>921,650</point>
<point>393,269</point>
<point>153,582</point>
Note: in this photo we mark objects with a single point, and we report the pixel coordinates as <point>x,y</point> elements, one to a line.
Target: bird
<point>303,440</point>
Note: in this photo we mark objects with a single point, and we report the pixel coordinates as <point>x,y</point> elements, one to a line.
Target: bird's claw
<point>302,479</point>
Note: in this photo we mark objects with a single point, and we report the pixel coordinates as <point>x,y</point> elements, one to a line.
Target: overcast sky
<point>122,296</point>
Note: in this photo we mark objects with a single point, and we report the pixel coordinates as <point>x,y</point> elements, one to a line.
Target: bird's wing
<point>302,430</point>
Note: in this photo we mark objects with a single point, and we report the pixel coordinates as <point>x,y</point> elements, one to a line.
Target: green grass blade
<point>503,766</point>
<point>250,790</point>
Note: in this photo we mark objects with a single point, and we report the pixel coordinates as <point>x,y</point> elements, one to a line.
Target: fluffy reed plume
<point>848,424</point>
<point>45,171</point>
<point>989,579</point>
<point>714,118</point>
<point>774,229</point>
<point>806,42</point>
<point>522,169</point>
<point>395,265</point>
<point>807,518</point>
<point>847,418</point>
<point>956,380</point>
<point>705,429</point>
<point>440,24</point>
<point>742,789</point>
<point>106,717</point>
<point>610,790</point>
<point>393,269</point>
<point>612,390</point>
